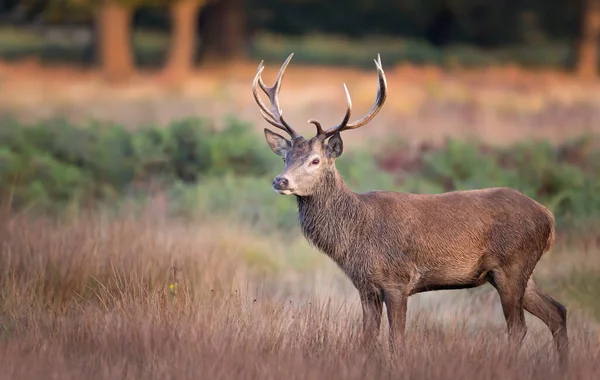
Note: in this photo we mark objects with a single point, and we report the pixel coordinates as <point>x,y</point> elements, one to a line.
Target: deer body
<point>393,245</point>
<point>429,242</point>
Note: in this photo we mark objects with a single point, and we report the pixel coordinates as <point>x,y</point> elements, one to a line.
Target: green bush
<point>247,199</point>
<point>189,149</point>
<point>236,149</point>
<point>54,163</point>
<point>153,148</point>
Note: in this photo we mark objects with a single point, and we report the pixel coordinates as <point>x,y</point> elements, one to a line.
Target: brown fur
<point>393,245</point>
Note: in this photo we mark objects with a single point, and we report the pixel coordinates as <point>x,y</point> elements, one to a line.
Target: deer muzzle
<point>281,185</point>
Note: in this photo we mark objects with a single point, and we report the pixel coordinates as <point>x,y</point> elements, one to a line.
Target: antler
<point>344,125</point>
<point>272,116</point>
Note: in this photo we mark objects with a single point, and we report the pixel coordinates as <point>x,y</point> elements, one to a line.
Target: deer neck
<point>328,217</point>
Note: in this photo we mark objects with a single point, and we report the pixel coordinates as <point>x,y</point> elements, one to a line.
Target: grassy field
<point>148,243</point>
<point>163,253</point>
<point>145,296</point>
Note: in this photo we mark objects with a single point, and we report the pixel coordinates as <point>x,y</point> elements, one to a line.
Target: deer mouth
<point>284,191</point>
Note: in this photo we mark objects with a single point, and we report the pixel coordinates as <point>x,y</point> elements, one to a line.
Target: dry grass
<point>89,297</point>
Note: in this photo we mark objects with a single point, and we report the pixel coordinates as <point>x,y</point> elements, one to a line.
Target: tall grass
<point>127,297</point>
<point>200,269</point>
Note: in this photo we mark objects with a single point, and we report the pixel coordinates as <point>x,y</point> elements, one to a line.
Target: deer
<point>392,245</point>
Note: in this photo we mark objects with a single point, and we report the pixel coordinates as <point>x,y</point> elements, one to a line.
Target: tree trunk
<point>209,30</point>
<point>180,59</point>
<point>114,48</point>
<point>587,60</point>
<point>233,37</point>
<point>223,31</point>
<point>90,52</point>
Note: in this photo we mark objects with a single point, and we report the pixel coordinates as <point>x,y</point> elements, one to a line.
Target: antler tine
<point>264,110</point>
<point>274,123</point>
<point>344,125</point>
<point>381,96</point>
<point>273,116</point>
<point>273,93</point>
<point>321,134</point>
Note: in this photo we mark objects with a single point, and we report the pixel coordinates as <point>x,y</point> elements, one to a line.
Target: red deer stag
<point>393,245</point>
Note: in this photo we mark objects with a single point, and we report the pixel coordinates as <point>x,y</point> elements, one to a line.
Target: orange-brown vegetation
<point>90,297</point>
<point>497,105</point>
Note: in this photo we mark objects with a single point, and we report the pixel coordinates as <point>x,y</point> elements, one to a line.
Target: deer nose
<point>280,183</point>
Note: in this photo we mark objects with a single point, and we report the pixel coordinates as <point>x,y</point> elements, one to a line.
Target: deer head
<point>307,161</point>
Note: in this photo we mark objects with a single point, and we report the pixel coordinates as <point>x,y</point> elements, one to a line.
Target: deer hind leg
<point>553,314</point>
<point>512,291</point>
<point>396,304</point>
<point>372,307</point>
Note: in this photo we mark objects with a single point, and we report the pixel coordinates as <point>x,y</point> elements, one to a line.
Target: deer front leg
<point>396,303</point>
<point>372,306</point>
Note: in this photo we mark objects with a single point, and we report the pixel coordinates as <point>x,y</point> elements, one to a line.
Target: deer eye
<point>315,161</point>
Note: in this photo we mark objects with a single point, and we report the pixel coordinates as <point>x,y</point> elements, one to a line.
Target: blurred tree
<point>587,60</point>
<point>222,33</point>
<point>482,23</point>
<point>222,25</point>
<point>113,23</point>
<point>184,16</point>
<point>112,34</point>
<point>439,32</point>
<point>223,30</point>
<point>233,28</point>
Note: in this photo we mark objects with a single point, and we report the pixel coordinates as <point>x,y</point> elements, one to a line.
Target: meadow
<point>140,237</point>
<point>162,252</point>
<point>90,297</point>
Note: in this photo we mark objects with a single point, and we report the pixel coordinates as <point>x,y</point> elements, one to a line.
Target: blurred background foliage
<point>198,171</point>
<point>120,35</point>
<point>51,164</point>
<point>55,162</point>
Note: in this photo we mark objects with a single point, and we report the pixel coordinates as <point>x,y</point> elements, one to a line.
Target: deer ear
<point>335,146</point>
<point>279,144</point>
